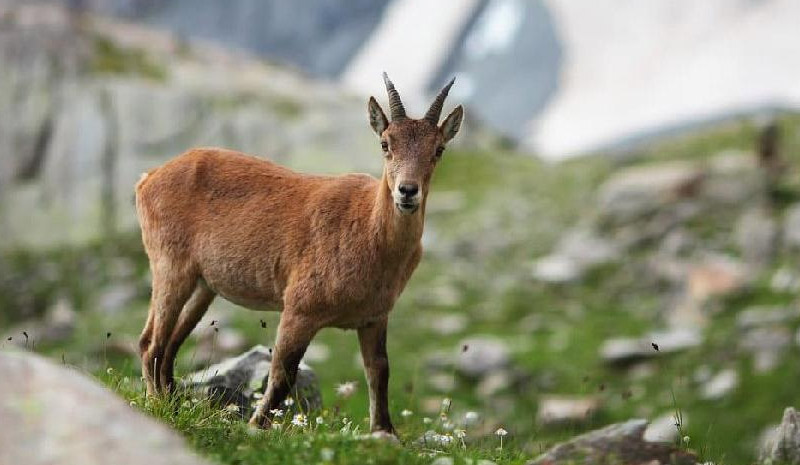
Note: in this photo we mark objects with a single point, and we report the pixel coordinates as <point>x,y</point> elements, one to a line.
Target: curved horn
<point>396,108</point>
<point>435,111</point>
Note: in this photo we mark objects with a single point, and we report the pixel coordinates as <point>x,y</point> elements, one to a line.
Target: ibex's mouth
<point>406,208</point>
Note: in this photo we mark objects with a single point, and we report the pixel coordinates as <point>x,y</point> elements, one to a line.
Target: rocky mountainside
<point>90,104</point>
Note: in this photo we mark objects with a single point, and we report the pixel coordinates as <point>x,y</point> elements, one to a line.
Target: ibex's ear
<point>377,119</point>
<point>452,123</point>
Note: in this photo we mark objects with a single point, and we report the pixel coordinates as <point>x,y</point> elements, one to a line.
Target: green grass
<point>514,209</point>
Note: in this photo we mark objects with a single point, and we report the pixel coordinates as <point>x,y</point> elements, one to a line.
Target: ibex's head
<point>412,147</point>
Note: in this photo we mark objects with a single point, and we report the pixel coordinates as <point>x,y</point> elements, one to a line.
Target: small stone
<point>556,269</point>
<point>791,226</point>
<point>756,235</point>
<point>317,353</point>
<point>626,350</point>
<point>116,297</point>
<point>722,384</point>
<point>764,316</point>
<point>480,355</point>
<point>785,280</point>
<point>663,428</point>
<point>443,461</point>
<point>494,383</point>
<point>555,410</point>
<point>441,382</point>
<point>448,324</point>
<point>783,445</point>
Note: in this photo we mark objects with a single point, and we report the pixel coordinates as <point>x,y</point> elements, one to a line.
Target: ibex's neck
<point>399,232</point>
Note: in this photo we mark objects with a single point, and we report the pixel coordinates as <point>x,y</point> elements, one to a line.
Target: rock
<point>576,253</point>
<point>765,316</point>
<point>481,355</point>
<point>618,443</point>
<point>733,178</point>
<point>716,276</point>
<point>467,461</point>
<point>722,384</point>
<point>712,277</point>
<point>317,352</point>
<point>767,345</point>
<point>216,343</point>
<point>783,445</point>
<point>237,381</point>
<point>791,226</point>
<point>448,324</point>
<point>558,410</point>
<point>663,428</point>
<point>637,191</point>
<point>441,382</point>
<point>494,383</point>
<point>40,400</point>
<point>757,233</point>
<point>115,298</point>
<point>785,280</point>
<point>556,269</point>
<point>57,326</point>
<point>627,350</point>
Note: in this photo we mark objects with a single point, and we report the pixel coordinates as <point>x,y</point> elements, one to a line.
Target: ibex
<point>325,251</point>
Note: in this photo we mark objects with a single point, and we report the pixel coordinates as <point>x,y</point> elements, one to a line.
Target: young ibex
<point>326,251</point>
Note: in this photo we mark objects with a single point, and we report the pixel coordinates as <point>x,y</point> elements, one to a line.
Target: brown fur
<point>326,251</point>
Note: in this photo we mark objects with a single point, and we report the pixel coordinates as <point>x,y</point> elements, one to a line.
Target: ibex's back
<point>328,251</point>
<point>244,225</point>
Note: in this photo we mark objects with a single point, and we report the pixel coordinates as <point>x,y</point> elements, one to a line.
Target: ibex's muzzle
<point>407,197</point>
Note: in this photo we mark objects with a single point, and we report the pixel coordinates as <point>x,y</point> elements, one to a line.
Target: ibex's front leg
<point>376,366</point>
<point>294,335</point>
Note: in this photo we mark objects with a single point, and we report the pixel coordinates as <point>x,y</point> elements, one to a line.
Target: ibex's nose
<point>408,189</point>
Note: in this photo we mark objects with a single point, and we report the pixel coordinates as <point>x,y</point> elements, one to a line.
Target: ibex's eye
<point>439,152</point>
<point>385,146</point>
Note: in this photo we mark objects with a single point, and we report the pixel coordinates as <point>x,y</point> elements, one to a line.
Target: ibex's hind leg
<point>192,313</point>
<point>170,292</point>
<point>294,335</point>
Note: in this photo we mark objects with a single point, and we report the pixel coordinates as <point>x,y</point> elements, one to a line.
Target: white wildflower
<point>448,426</point>
<point>276,412</point>
<point>133,403</point>
<point>501,432</point>
<point>110,370</point>
<point>406,413</point>
<point>427,421</point>
<point>288,402</point>
<point>300,420</point>
<point>460,433</point>
<point>346,390</point>
<point>320,420</point>
<point>471,417</point>
<point>686,439</point>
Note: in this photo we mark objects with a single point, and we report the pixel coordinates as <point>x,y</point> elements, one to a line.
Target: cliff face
<point>89,104</point>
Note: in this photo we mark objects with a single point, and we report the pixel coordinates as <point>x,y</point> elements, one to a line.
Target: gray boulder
<point>54,415</point>
<point>617,443</point>
<point>241,380</point>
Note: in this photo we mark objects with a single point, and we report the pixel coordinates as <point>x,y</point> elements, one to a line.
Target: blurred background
<point>614,233</point>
